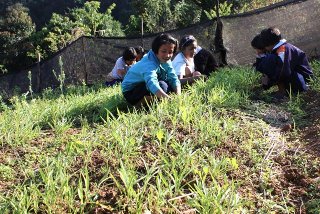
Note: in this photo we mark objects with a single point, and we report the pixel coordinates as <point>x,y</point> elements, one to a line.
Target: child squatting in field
<point>282,63</point>
<point>154,74</point>
<point>121,67</point>
<point>183,62</point>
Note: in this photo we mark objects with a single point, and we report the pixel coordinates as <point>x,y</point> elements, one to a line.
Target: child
<point>295,70</point>
<point>183,62</point>
<point>204,61</point>
<point>140,53</point>
<point>121,67</point>
<point>154,74</point>
<point>268,64</point>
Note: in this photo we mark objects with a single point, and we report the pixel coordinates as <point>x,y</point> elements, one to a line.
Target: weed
<point>208,151</point>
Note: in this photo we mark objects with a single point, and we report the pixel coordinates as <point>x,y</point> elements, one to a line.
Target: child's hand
<point>122,72</point>
<point>196,74</point>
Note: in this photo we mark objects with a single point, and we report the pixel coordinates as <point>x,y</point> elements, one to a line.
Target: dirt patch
<point>297,172</point>
<point>311,132</point>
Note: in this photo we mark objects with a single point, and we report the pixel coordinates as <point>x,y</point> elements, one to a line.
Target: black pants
<point>140,91</point>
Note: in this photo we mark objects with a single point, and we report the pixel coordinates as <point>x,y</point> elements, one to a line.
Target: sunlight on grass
<point>87,151</point>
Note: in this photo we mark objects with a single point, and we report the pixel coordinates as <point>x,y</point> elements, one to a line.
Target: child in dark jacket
<point>294,68</point>
<point>204,61</point>
<point>266,63</point>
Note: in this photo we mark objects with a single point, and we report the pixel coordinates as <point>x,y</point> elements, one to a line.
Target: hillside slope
<point>220,147</point>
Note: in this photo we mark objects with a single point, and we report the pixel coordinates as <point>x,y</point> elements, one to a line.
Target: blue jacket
<point>150,70</point>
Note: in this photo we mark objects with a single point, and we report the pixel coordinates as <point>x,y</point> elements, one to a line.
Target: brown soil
<point>311,132</point>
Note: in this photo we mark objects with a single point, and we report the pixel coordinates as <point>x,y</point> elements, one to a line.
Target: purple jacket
<point>296,70</point>
<point>270,65</point>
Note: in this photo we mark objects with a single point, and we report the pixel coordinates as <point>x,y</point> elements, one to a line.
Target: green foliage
<point>19,43</point>
<point>162,15</point>
<point>55,36</point>
<point>157,15</point>
<point>241,6</point>
<point>228,7</point>
<point>186,14</point>
<point>134,25</point>
<point>61,77</point>
<point>225,9</point>
<point>63,29</point>
<point>95,23</point>
<point>87,151</point>
<point>313,206</point>
<point>166,15</point>
<point>58,32</point>
<point>18,22</point>
<point>6,172</point>
<point>15,28</point>
<point>3,69</point>
<point>315,81</point>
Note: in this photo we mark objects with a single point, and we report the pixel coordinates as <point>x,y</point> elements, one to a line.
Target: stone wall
<point>90,59</point>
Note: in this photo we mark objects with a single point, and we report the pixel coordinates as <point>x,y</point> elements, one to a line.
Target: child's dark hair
<point>163,39</point>
<point>186,41</point>
<point>129,54</point>
<point>257,42</point>
<point>140,50</point>
<point>270,36</point>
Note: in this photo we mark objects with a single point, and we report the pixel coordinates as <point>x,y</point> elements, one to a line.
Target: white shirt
<point>180,63</point>
<point>120,65</point>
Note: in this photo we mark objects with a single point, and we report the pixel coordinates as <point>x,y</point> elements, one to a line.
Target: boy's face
<point>165,52</point>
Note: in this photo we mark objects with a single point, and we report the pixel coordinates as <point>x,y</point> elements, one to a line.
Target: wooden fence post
<point>142,32</point>
<point>85,62</point>
<point>38,89</point>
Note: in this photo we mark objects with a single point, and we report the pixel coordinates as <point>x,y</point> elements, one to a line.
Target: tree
<point>235,6</point>
<point>186,14</point>
<point>15,29</point>
<point>63,29</point>
<point>5,4</point>
<point>95,23</point>
<point>224,10</point>
<point>162,15</point>
<point>157,16</point>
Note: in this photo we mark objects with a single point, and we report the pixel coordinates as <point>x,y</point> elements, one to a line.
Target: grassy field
<point>220,147</point>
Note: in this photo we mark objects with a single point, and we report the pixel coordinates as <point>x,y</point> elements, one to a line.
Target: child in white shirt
<point>183,63</point>
<point>121,67</point>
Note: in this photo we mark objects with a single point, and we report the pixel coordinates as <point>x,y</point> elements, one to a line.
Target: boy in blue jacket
<point>153,75</point>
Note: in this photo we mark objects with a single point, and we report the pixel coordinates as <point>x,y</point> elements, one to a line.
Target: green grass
<point>86,150</point>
